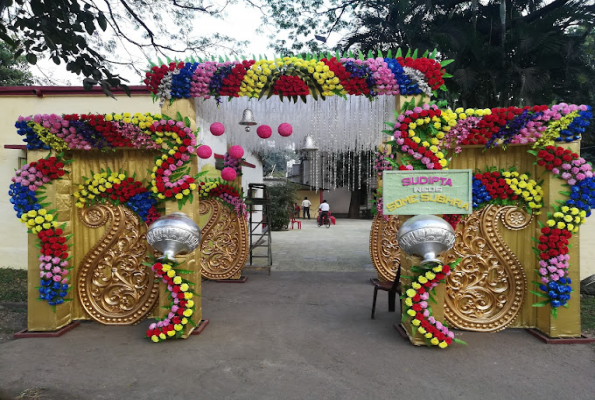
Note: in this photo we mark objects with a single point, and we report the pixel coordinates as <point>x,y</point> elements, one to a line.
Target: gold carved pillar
<point>192,260</point>
<point>40,316</point>
<point>568,321</point>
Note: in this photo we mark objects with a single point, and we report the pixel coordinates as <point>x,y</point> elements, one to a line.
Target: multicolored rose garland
<point>224,192</point>
<point>297,77</point>
<point>172,137</point>
<point>26,186</point>
<point>424,134</point>
<point>181,307</point>
<point>417,308</point>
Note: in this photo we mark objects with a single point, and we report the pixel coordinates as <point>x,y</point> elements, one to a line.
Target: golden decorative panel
<point>384,246</point>
<point>486,291</point>
<point>114,286</point>
<point>224,244</point>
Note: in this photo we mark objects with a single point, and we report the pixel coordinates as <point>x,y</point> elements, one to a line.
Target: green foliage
<point>13,72</point>
<point>541,53</point>
<point>275,161</point>
<point>86,35</point>
<point>282,199</point>
<point>13,285</point>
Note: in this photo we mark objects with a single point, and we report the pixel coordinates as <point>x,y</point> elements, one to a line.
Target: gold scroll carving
<point>224,243</point>
<point>486,291</point>
<point>114,286</point>
<point>384,246</point>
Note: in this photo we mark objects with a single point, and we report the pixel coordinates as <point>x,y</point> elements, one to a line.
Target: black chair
<point>393,288</point>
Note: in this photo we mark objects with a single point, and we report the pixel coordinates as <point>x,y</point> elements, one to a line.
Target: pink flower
<point>542,271</point>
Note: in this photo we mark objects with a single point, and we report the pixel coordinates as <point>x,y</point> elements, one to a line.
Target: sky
<point>241,22</point>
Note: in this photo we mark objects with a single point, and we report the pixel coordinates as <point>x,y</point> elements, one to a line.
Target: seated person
<point>323,210</point>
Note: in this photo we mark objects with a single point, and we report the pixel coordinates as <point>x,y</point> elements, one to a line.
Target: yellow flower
<point>39,220</point>
<point>443,345</point>
<point>190,303</point>
<point>171,273</point>
<point>411,312</point>
<point>415,285</point>
<point>410,292</point>
<point>430,275</point>
<point>560,225</point>
<point>178,327</point>
<point>166,267</point>
<point>188,312</point>
<point>177,280</point>
<point>435,341</point>
<point>154,337</point>
<point>184,287</point>
<point>437,269</point>
<point>421,330</point>
<point>422,280</point>
<point>408,302</point>
<point>188,295</point>
<point>170,333</point>
<point>428,335</point>
<point>551,222</point>
<point>416,322</point>
<point>162,336</point>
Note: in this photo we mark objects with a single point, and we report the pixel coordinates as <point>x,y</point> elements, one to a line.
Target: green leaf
<point>408,53</point>
<point>433,55</point>
<point>539,294</point>
<point>380,53</point>
<point>399,53</point>
<point>541,303</point>
<point>446,62</point>
<point>414,56</point>
<point>370,54</point>
<point>390,53</point>
<point>459,341</point>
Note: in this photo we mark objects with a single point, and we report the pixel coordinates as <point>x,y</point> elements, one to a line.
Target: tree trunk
<point>354,204</point>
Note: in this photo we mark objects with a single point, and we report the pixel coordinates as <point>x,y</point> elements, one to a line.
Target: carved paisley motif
<point>114,287</point>
<point>384,246</point>
<point>224,243</point>
<point>486,290</point>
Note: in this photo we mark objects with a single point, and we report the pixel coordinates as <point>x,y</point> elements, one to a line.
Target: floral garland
<point>423,135</point>
<point>173,138</point>
<point>296,77</point>
<point>117,188</point>
<point>417,307</point>
<point>181,306</point>
<point>28,183</point>
<point>225,193</point>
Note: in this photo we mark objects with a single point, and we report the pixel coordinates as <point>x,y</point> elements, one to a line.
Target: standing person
<point>306,206</point>
<point>323,211</point>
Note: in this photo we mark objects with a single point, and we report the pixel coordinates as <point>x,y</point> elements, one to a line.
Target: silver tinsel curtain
<point>353,125</point>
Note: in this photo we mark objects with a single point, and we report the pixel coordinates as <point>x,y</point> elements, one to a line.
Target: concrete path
<point>295,335</point>
<point>342,247</point>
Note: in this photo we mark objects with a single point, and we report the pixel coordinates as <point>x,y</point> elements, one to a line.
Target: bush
<point>282,199</point>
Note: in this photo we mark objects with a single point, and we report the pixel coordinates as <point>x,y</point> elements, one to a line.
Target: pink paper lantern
<point>217,128</point>
<point>264,131</point>
<point>285,129</point>
<point>236,152</point>
<point>228,174</point>
<point>204,151</point>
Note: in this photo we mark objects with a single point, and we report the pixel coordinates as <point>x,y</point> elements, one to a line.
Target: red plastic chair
<point>295,221</point>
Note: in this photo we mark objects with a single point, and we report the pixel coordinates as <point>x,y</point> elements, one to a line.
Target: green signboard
<point>427,192</point>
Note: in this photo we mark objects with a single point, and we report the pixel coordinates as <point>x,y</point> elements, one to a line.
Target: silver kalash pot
<point>426,236</point>
<point>174,234</point>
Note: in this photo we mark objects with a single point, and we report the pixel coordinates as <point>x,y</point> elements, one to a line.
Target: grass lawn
<point>13,285</point>
<point>588,314</point>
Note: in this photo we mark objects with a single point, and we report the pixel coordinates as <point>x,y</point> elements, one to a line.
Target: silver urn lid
<point>174,234</point>
<point>426,236</point>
